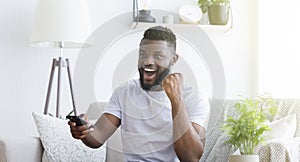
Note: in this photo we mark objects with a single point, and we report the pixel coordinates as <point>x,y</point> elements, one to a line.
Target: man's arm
<point>187,142</point>
<point>188,145</point>
<point>95,137</point>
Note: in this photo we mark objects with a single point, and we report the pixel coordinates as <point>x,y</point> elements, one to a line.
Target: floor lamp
<point>60,24</point>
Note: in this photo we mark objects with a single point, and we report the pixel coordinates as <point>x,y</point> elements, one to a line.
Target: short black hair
<point>161,33</point>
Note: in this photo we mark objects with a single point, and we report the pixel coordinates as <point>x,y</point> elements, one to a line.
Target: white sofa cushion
<point>282,128</point>
<point>14,149</point>
<point>297,133</point>
<point>59,145</point>
<point>287,107</point>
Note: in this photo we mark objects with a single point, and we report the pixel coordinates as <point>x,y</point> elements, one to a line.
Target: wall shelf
<point>207,28</point>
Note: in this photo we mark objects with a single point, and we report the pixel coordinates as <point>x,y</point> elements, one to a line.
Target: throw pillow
<point>282,128</point>
<point>59,145</point>
<point>297,133</point>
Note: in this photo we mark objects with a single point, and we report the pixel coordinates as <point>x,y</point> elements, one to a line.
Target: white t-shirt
<point>146,120</point>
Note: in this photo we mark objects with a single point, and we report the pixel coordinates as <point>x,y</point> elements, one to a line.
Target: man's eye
<point>159,56</point>
<point>142,55</point>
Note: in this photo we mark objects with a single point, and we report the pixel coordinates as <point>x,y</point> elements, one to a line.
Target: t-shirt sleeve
<point>113,106</point>
<point>197,106</point>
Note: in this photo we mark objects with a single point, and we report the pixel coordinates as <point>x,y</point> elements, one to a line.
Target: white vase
<point>204,20</point>
<point>243,158</point>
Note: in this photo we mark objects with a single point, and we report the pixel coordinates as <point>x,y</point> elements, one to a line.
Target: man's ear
<point>174,59</point>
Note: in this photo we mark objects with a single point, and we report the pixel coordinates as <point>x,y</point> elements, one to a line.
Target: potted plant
<point>246,129</point>
<point>203,4</point>
<point>218,12</point>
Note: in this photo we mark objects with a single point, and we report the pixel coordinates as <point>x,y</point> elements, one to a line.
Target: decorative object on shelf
<point>207,28</point>
<point>142,15</point>
<point>203,4</point>
<point>168,19</point>
<point>246,130</point>
<point>60,24</point>
<point>218,12</point>
<point>190,14</point>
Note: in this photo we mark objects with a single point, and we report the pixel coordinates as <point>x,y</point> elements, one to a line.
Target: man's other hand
<point>80,132</point>
<point>172,85</point>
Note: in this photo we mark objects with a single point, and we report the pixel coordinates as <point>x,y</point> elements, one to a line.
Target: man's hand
<point>187,143</point>
<point>172,85</point>
<point>80,132</point>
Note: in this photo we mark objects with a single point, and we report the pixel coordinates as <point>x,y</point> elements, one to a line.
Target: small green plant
<point>219,1</point>
<point>246,129</point>
<point>203,4</point>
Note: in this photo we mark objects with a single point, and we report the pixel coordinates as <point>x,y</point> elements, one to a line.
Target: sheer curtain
<point>279,48</point>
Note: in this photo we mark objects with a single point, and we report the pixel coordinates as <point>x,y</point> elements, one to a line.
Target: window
<point>279,48</point>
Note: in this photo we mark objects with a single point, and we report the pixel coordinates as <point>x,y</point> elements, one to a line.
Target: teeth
<point>149,70</point>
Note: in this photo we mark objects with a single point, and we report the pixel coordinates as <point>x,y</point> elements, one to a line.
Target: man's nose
<point>149,60</point>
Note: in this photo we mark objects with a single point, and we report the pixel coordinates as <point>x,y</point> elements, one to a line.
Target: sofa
<point>283,147</point>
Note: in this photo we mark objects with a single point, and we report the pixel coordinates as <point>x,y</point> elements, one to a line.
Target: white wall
<point>25,70</point>
<point>279,49</point>
<point>237,49</point>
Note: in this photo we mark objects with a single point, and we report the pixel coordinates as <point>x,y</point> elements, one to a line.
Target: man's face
<point>155,60</point>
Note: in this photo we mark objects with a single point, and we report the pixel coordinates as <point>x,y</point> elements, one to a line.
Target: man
<point>160,119</point>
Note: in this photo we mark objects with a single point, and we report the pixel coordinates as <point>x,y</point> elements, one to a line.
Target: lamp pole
<point>60,63</point>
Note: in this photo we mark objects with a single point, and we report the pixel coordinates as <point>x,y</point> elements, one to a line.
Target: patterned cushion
<point>59,145</point>
<point>287,107</point>
<point>279,150</point>
<point>215,147</point>
<point>297,133</point>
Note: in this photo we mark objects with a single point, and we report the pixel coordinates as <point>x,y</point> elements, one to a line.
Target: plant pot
<point>243,158</point>
<point>218,14</point>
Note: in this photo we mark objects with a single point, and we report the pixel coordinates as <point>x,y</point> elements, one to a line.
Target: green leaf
<point>246,128</point>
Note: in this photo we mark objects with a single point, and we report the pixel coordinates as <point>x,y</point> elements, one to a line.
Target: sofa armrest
<point>13,149</point>
<point>280,150</point>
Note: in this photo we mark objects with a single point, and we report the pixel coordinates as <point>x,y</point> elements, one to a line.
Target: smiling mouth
<point>149,73</point>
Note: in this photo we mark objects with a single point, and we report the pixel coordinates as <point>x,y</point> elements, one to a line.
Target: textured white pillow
<point>59,145</point>
<point>282,128</point>
<point>297,133</point>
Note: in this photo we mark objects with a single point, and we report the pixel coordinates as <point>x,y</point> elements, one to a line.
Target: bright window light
<point>279,48</point>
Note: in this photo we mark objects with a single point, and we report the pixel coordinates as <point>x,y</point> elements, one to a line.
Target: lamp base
<point>144,16</point>
<point>59,63</point>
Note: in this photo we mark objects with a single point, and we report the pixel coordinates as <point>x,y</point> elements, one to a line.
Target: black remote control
<point>77,120</point>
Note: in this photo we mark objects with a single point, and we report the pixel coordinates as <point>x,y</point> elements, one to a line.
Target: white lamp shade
<point>58,21</point>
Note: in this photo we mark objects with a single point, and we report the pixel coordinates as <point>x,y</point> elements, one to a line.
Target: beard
<point>161,74</point>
